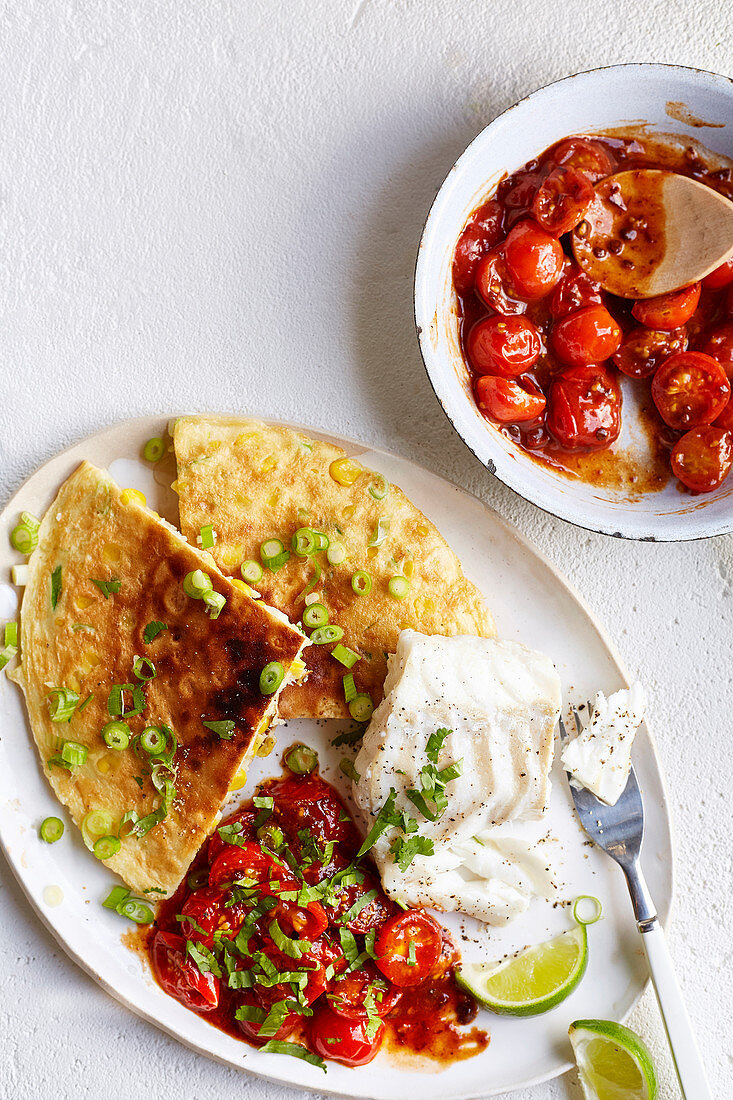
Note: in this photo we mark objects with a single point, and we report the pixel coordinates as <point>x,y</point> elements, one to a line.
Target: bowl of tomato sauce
<point>613,413</point>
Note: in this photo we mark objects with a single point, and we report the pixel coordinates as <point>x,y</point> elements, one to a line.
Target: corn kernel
<point>133,496</point>
<point>92,659</point>
<point>422,529</point>
<point>345,471</point>
<point>274,499</point>
<point>236,583</point>
<point>244,438</point>
<point>83,602</point>
<point>269,464</point>
<point>112,554</point>
<point>268,744</point>
<point>348,511</point>
<point>231,556</point>
<point>238,780</point>
<point>409,568</point>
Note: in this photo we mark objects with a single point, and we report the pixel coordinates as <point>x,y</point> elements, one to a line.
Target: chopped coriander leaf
<point>225,729</point>
<point>356,908</point>
<point>152,630</point>
<point>108,588</point>
<point>435,744</point>
<point>347,767</point>
<point>350,737</point>
<point>404,851</point>
<point>295,1050</point>
<point>56,586</point>
<point>204,959</point>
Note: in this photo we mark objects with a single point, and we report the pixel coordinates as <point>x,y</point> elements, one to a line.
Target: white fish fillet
<point>599,758</point>
<point>501,701</point>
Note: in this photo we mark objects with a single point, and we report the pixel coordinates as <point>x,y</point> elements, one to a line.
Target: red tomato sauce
<point>547,348</point>
<point>280,928</point>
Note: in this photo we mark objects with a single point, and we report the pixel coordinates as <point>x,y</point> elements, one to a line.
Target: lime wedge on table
<point>613,1063</point>
<point>533,981</point>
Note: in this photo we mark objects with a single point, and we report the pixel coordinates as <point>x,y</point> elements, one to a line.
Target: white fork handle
<point>682,1042</point>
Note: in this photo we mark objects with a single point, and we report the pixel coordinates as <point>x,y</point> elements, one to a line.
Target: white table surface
<point>217,205</point>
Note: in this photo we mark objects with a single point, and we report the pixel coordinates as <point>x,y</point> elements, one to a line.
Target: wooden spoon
<point>650,231</point>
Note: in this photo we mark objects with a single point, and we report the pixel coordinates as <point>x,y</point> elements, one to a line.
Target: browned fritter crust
<point>206,669</point>
<point>252,480</point>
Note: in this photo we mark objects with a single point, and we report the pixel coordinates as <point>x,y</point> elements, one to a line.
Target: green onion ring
<point>74,754</point>
<point>271,836</point>
<point>215,603</point>
<point>116,735</point>
<point>361,582</point>
<point>138,667</point>
<point>251,571</point>
<point>136,910</point>
<point>398,587</point>
<point>346,656</point>
<point>106,847</point>
<point>271,677</point>
<point>315,615</point>
<point>196,584</point>
<point>197,879</point>
<point>301,759</point>
<point>95,824</point>
<point>303,542</point>
<point>153,740</point>
<point>349,687</point>
<point>52,829</point>
<point>592,902</point>
<point>336,553</point>
<point>23,540</point>
<point>361,707</point>
<point>379,487</point>
<point>62,702</point>
<point>324,635</point>
<point>154,449</point>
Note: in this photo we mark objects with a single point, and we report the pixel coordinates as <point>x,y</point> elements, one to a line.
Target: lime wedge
<point>613,1063</point>
<point>533,981</point>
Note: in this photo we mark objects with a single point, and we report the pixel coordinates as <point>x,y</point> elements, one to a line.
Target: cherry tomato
<point>690,389</point>
<point>702,458</point>
<point>482,232</point>
<point>508,401</point>
<point>719,344</point>
<point>668,311</point>
<point>309,922</point>
<point>503,345</point>
<point>408,948</point>
<point>728,303</point>
<point>517,192</point>
<point>348,994</point>
<point>248,861</point>
<point>309,803</point>
<point>644,349</point>
<point>584,407</point>
<point>372,915</point>
<point>216,844</point>
<point>342,1039</point>
<point>563,200</point>
<point>586,156</point>
<point>725,420</point>
<point>588,336</point>
<point>179,976</point>
<point>574,291</point>
<point>207,913</point>
<point>494,285</point>
<point>721,277</point>
<point>264,999</point>
<point>534,260</point>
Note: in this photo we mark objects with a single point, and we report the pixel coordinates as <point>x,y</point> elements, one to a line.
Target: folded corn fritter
<point>253,481</point>
<point>105,577</point>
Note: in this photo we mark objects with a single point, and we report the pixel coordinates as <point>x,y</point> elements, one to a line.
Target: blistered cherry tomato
<point>690,389</point>
<point>668,311</point>
<point>206,913</point>
<point>248,861</point>
<point>725,419</point>
<point>307,921</point>
<point>585,156</point>
<point>588,336</point>
<point>584,407</point>
<point>342,1039</point>
<point>369,916</point>
<point>534,260</point>
<point>348,993</point>
<point>719,344</point>
<point>574,291</point>
<point>563,200</point>
<point>482,232</point>
<point>179,976</point>
<point>644,349</point>
<point>517,192</point>
<point>503,345</point>
<point>494,285</point>
<point>702,458</point>
<point>409,947</point>
<point>721,277</point>
<point>507,400</point>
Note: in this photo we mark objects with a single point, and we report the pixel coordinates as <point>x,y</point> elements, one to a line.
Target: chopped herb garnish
<point>350,737</point>
<point>411,954</point>
<point>225,729</point>
<point>56,586</point>
<point>404,851</point>
<point>347,767</point>
<point>295,1050</point>
<point>108,588</point>
<point>152,630</point>
<point>204,959</point>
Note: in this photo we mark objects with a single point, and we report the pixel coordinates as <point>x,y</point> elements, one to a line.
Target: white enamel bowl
<point>650,96</point>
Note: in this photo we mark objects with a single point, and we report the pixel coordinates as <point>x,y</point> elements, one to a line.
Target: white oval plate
<point>531,603</point>
<point>637,96</point>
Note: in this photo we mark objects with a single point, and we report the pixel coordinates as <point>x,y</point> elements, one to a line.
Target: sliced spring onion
<point>304,542</point>
<point>95,824</point>
<point>108,588</point>
<point>74,754</point>
<point>361,582</point>
<point>215,603</point>
<point>106,847</point>
<point>154,449</point>
<point>271,677</point>
<point>82,705</point>
<point>322,540</point>
<point>274,564</point>
<point>587,909</point>
<point>196,584</point>
<point>312,597</point>
<point>224,729</point>
<point>361,707</point>
<point>19,575</point>
<point>311,583</point>
<point>346,656</point>
<point>301,759</point>
<point>116,735</point>
<point>271,836</point>
<point>273,554</point>
<point>197,879</point>
<point>315,615</point>
<point>324,635</point>
<point>52,829</point>
<point>115,897</point>
<point>62,702</point>
<point>23,540</point>
<point>380,532</point>
<point>347,767</point>
<point>116,700</point>
<point>56,586</point>
<point>30,521</point>
<point>349,687</point>
<point>85,627</point>
<point>153,740</point>
<point>251,571</point>
<point>398,587</point>
<point>336,553</point>
<point>6,655</point>
<point>144,669</point>
<point>136,910</point>
<point>152,630</point>
<point>207,537</point>
<point>379,487</point>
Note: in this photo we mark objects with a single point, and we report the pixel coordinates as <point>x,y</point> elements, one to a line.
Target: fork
<point>619,831</point>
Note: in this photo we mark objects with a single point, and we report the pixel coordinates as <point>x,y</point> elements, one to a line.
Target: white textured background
<point>218,204</point>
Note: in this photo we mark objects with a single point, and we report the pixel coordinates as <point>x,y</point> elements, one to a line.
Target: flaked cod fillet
<point>205,670</point>
<point>500,700</point>
<point>252,481</point>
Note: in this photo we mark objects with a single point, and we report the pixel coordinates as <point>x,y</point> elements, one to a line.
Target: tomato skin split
<point>690,389</point>
<point>668,311</point>
<point>584,408</point>
<point>507,400</point>
<point>702,458</point>
<point>563,200</point>
<point>643,350</point>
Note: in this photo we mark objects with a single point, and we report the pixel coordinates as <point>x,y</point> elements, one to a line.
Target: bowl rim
<point>711,529</point>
